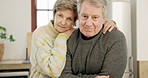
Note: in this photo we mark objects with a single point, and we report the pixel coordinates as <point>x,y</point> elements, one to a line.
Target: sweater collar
<point>91,39</point>
<point>51,27</point>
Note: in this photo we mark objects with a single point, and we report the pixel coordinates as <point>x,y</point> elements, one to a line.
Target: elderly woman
<point>48,52</point>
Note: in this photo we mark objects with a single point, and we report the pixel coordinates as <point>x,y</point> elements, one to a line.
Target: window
<point>41,12</point>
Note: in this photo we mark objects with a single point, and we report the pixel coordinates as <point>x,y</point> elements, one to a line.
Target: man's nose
<point>89,21</point>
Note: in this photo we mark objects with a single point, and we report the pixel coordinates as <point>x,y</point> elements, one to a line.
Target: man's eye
<point>84,16</point>
<point>96,17</point>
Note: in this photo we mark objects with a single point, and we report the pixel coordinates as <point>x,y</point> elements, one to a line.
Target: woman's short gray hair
<point>64,5</point>
<point>102,3</point>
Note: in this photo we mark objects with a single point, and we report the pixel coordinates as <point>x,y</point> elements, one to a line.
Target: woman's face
<point>63,20</point>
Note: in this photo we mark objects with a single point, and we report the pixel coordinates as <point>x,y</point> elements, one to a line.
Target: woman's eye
<point>70,19</point>
<point>84,16</point>
<point>60,15</point>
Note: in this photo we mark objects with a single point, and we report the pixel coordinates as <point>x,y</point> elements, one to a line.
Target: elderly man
<point>92,54</point>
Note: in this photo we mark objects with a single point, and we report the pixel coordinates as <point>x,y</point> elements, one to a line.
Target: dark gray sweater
<point>101,55</point>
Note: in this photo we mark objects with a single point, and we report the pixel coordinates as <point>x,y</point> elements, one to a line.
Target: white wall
<point>15,15</point>
<point>142,30</point>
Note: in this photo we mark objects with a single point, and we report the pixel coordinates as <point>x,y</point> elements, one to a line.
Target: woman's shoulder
<point>40,29</point>
<point>41,32</point>
<point>44,28</point>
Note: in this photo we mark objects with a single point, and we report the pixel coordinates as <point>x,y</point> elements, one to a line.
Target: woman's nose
<point>63,22</point>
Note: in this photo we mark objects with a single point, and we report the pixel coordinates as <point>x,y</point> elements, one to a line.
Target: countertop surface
<point>14,64</point>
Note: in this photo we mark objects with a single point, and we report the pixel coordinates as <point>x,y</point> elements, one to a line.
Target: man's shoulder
<point>114,35</point>
<point>74,38</point>
<point>75,35</point>
<point>73,41</point>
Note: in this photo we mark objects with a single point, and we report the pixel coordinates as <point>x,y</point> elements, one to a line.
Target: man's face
<point>90,19</point>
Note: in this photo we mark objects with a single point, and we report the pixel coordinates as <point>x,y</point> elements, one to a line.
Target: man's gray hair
<point>100,3</point>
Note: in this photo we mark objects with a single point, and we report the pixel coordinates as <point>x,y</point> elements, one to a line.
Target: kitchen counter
<point>14,64</point>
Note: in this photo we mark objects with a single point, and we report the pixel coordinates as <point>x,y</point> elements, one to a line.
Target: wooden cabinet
<point>143,69</point>
<point>10,68</point>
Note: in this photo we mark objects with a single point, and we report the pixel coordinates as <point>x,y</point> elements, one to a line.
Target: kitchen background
<point>130,16</point>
